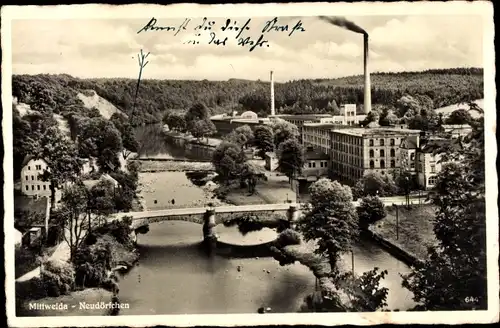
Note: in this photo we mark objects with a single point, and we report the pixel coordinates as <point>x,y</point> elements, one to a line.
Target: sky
<point>90,48</point>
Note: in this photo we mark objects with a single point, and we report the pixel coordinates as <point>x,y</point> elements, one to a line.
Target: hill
<point>65,94</point>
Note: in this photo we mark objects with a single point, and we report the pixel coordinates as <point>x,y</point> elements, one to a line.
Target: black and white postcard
<point>250,164</point>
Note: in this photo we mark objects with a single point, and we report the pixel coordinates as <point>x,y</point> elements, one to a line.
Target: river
<point>174,277</point>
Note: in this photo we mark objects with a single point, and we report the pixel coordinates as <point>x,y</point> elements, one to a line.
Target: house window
<point>27,178</point>
<point>32,187</point>
<point>371,153</point>
<point>38,187</point>
<point>32,177</point>
<point>420,167</point>
<point>381,142</point>
<point>393,163</point>
<point>372,164</point>
<point>27,188</point>
<point>310,164</point>
<point>371,142</point>
<point>433,168</point>
<point>412,165</point>
<point>432,180</point>
<point>382,164</point>
<point>382,153</point>
<point>393,153</point>
<point>29,167</point>
<point>392,142</point>
<point>44,187</point>
<point>314,164</point>
<point>412,156</point>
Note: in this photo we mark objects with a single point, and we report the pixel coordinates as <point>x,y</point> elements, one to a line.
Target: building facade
<point>422,160</point>
<point>31,182</point>
<point>358,151</point>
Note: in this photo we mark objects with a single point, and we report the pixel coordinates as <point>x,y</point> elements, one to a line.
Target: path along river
<point>174,277</point>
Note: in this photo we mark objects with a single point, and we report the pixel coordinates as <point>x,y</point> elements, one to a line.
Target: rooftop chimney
<point>368,95</point>
<point>272,95</point>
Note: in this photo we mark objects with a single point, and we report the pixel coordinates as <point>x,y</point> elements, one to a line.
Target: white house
<point>31,182</point>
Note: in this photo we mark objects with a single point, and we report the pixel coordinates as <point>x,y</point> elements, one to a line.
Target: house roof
<point>410,142</point>
<point>432,145</point>
<point>28,158</point>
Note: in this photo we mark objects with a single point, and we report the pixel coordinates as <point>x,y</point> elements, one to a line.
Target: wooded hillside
<point>156,97</point>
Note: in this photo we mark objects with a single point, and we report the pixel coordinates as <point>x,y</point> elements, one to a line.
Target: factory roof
<point>305,117</point>
<point>312,154</point>
<point>375,131</point>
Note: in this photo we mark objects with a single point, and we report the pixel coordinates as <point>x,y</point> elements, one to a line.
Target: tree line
<point>155,97</point>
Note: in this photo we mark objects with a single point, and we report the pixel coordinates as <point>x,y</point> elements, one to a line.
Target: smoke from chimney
<point>368,89</point>
<point>272,95</point>
<point>344,23</point>
<point>351,26</point>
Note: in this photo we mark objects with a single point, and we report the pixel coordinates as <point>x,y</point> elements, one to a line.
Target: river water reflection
<point>175,277</point>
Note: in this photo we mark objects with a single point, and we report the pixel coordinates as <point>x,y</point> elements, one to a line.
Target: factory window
<point>381,142</point>
<point>371,142</point>
<point>382,153</point>
<point>393,163</point>
<point>382,164</point>
<point>371,153</point>
<point>372,164</point>
<point>392,142</point>
<point>393,153</point>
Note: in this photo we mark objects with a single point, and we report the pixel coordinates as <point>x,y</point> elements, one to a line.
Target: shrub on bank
<point>288,237</point>
<point>58,277</point>
<point>252,222</point>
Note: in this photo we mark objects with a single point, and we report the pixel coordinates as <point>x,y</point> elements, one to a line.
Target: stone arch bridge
<point>209,217</point>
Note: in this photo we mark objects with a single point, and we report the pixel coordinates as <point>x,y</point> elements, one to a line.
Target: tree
<point>129,141</point>
<point>331,221</point>
<point>291,158</point>
<point>247,134</point>
<point>71,216</point>
<point>374,184</point>
<point>99,138</point>
<point>197,112</point>
<point>228,160</point>
<point>263,139</point>
<point>459,116</point>
<point>100,200</point>
<point>62,164</point>
<point>283,131</point>
<point>202,129</point>
<point>370,210</point>
<point>365,292</point>
<point>453,276</point>
<point>175,122</point>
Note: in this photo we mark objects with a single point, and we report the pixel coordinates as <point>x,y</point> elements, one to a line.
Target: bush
<point>370,210</point>
<point>58,277</point>
<point>288,237</point>
<point>251,222</point>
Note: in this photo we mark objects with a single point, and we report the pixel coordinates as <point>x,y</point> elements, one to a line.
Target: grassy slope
<point>415,228</point>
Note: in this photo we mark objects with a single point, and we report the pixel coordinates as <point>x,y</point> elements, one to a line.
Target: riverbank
<point>151,166</point>
<point>61,287</point>
<point>414,230</point>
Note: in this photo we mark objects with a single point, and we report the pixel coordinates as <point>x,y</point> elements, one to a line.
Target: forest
<point>158,97</point>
